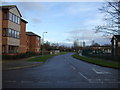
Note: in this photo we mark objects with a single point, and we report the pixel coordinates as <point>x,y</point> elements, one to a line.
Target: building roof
<point>10,7</point>
<point>117,37</point>
<point>32,34</point>
<point>24,20</point>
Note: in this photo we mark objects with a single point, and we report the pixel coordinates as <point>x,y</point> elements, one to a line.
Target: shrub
<point>19,56</point>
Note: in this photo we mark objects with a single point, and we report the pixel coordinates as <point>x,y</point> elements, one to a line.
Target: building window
<point>12,49</point>
<point>15,34</point>
<point>5,15</point>
<point>38,38</point>
<point>12,33</point>
<point>18,34</point>
<point>14,18</point>
<point>18,21</point>
<point>37,50</point>
<point>118,44</point>
<point>38,44</point>
<point>11,16</point>
<point>9,32</point>
<point>4,32</point>
<point>3,49</point>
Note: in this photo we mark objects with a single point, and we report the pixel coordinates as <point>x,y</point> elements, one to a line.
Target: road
<point>62,71</point>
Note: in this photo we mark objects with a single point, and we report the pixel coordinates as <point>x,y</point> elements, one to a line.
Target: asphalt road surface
<point>62,71</point>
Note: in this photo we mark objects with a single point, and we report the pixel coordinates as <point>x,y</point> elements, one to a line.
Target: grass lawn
<point>100,62</point>
<point>45,57</point>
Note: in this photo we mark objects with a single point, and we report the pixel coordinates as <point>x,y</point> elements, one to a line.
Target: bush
<point>107,56</point>
<point>19,56</point>
<point>96,61</point>
<point>86,51</point>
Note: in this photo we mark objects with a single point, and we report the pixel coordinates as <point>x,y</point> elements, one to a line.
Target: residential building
<point>10,29</point>
<point>15,40</point>
<point>102,49</point>
<point>116,46</point>
<point>33,42</point>
<point>56,51</point>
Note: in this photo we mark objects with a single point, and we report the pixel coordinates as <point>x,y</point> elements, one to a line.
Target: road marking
<point>83,76</point>
<point>73,67</point>
<point>100,71</point>
<point>103,81</point>
<point>95,81</point>
<point>110,80</point>
<point>26,81</point>
<point>113,82</point>
<point>43,82</point>
<point>10,81</point>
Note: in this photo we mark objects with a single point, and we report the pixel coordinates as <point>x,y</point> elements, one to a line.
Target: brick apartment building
<point>33,42</point>
<point>14,38</point>
<point>10,29</point>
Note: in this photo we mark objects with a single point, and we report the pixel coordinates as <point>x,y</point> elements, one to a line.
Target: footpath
<point>19,64</point>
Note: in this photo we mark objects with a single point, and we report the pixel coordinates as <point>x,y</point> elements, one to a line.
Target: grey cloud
<point>81,34</point>
<point>36,20</point>
<point>29,6</point>
<point>86,35</point>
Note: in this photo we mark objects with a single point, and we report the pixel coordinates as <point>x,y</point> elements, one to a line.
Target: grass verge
<point>100,62</point>
<point>45,57</point>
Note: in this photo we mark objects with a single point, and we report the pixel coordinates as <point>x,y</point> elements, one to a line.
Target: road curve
<point>62,71</point>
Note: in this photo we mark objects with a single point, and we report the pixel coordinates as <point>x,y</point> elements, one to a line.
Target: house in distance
<point>116,46</point>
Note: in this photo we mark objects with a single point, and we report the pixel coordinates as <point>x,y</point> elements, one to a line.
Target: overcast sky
<point>64,21</point>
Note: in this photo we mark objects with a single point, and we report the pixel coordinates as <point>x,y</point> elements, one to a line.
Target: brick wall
<point>23,38</point>
<point>33,44</point>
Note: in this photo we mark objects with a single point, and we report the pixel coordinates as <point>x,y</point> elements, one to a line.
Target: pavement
<point>62,71</point>
<point>19,64</point>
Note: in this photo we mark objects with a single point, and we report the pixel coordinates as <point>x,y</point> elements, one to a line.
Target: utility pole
<point>43,44</point>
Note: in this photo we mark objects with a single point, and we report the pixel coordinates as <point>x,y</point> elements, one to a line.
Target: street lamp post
<point>43,43</point>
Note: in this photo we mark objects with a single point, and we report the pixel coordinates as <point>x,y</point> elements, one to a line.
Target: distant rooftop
<point>117,37</point>
<point>31,34</point>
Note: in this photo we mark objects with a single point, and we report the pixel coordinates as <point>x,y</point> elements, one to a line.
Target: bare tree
<point>112,12</point>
